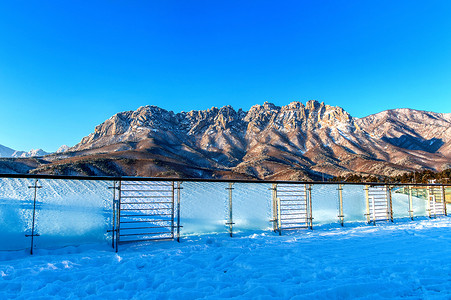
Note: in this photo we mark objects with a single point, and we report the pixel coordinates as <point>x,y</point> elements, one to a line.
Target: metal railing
<point>135,209</point>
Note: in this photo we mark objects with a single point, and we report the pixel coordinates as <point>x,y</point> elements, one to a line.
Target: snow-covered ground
<point>407,259</point>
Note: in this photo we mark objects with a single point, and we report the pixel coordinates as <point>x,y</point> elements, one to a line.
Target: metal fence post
<point>310,210</point>
<point>279,221</point>
<point>172,209</point>
<point>340,205</point>
<point>230,221</point>
<point>274,207</point>
<point>113,229</point>
<point>390,203</point>
<point>32,235</point>
<point>118,215</point>
<point>367,196</point>
<point>410,202</point>
<point>429,197</point>
<point>179,188</point>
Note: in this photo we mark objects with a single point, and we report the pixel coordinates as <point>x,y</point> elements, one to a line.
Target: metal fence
<point>55,211</point>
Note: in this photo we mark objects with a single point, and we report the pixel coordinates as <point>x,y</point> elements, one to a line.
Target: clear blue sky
<point>66,66</point>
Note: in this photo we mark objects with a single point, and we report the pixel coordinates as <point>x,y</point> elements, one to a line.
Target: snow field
<point>408,260</point>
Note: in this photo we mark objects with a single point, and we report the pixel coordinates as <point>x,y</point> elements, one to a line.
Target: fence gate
<point>292,207</point>
<point>436,202</point>
<point>145,211</point>
<point>378,204</point>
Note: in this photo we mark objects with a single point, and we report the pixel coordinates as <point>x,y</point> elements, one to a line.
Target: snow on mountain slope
<point>411,129</point>
<point>5,151</point>
<point>406,260</point>
<point>31,153</point>
<point>8,152</point>
<point>62,149</point>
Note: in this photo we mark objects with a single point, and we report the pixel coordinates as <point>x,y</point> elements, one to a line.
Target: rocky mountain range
<point>8,152</point>
<point>292,142</point>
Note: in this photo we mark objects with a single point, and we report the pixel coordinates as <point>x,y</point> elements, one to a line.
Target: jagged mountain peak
<point>313,105</point>
<point>265,106</point>
<point>139,124</point>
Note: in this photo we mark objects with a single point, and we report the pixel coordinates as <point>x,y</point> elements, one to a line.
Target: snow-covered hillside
<point>62,149</point>
<point>8,152</point>
<point>31,153</point>
<point>408,260</point>
<point>5,151</point>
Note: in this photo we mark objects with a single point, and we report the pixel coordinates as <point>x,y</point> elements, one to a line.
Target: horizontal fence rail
<point>131,178</point>
<point>54,211</point>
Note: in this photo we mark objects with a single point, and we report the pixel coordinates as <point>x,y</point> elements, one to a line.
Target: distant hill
<point>8,152</point>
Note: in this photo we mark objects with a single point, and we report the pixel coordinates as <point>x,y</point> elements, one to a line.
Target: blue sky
<point>66,66</point>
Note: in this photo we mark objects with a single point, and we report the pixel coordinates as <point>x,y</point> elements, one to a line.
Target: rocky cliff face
<point>295,141</point>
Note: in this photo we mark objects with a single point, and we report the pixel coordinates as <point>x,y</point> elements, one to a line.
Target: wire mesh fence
<point>56,212</point>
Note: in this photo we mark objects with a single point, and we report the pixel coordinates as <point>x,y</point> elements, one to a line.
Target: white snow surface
<point>31,153</point>
<point>62,149</point>
<point>404,260</point>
